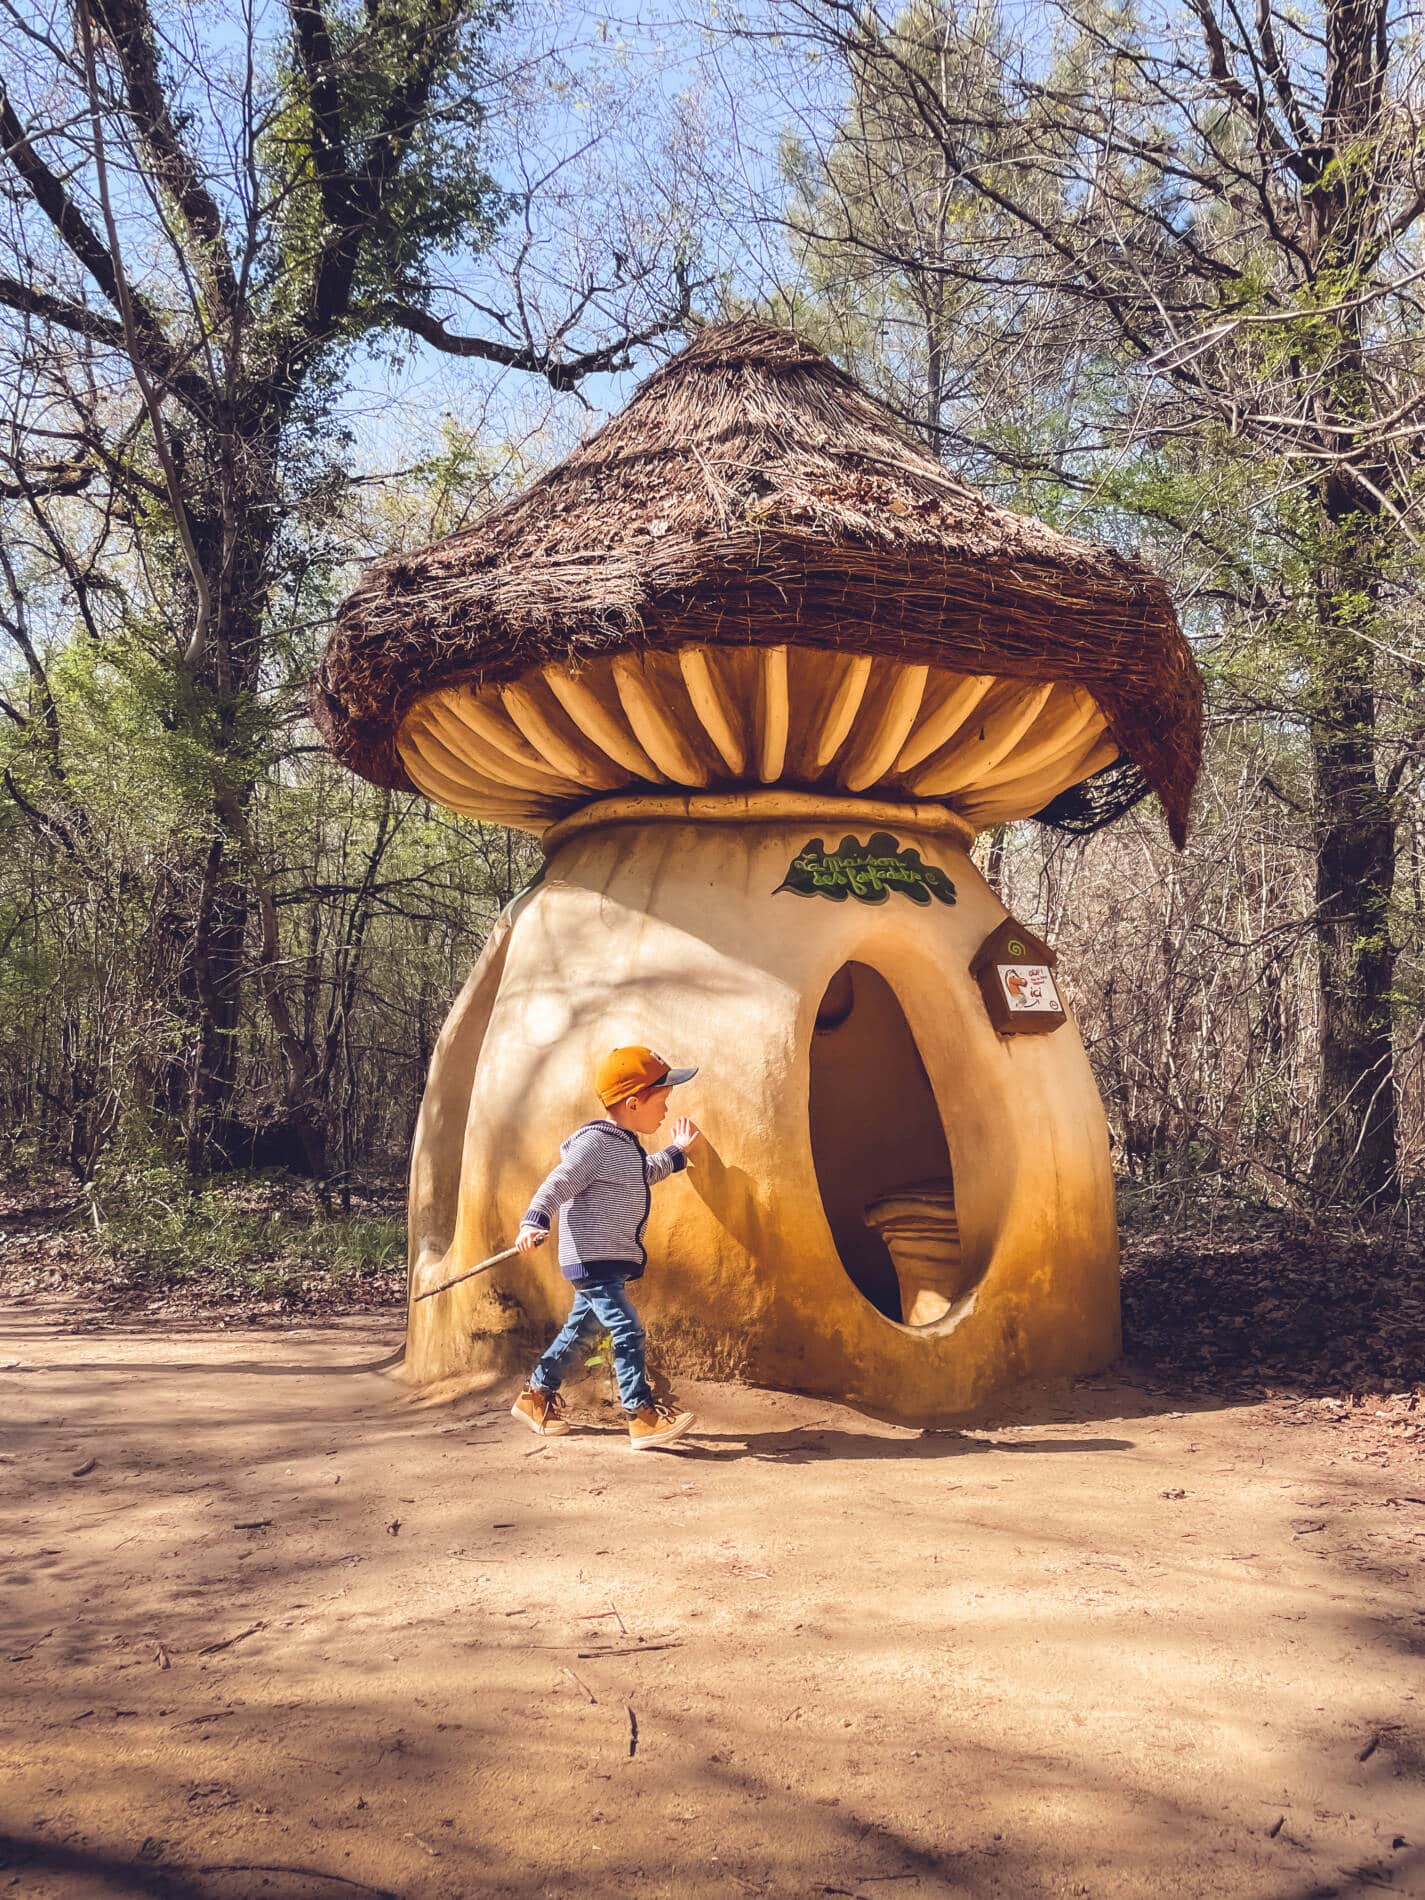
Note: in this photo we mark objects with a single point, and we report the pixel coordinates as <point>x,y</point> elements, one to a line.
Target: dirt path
<point>292,1636</point>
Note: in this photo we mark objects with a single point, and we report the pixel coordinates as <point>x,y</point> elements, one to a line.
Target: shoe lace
<point>553,1402</point>
<point>668,1413</point>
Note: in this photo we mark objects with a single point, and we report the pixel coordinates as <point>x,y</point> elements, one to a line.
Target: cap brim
<point>675,1076</point>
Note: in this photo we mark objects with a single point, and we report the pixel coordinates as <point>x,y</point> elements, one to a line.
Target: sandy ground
<point>271,1629</point>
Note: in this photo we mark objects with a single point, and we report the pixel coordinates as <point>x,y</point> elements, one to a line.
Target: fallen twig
<point>630,1649</point>
<point>306,1873</point>
<point>574,1676</point>
<point>212,1649</point>
<point>632,1734</point>
<point>82,1471</point>
<point>24,1655</point>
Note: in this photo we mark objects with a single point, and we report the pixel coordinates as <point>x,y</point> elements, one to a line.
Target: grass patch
<point>252,1236</point>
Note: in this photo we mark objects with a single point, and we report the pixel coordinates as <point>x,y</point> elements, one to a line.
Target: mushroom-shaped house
<point>757,668</point>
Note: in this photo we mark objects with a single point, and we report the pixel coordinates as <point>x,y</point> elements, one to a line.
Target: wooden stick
<point>484,1266</point>
<point>575,1677</point>
<point>634,1649</point>
<point>211,1649</point>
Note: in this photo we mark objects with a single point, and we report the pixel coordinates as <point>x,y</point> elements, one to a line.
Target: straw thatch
<point>753,494</point>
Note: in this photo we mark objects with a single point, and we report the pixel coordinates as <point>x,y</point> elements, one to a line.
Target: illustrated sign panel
<point>1028,986</point>
<point>868,872</point>
<point>1015,972</point>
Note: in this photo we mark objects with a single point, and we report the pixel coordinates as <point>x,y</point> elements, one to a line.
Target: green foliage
<point>601,1359</point>
<point>156,801</point>
<point>408,72</point>
<point>1114,289</point>
<point>382,904</point>
<point>241,1234</point>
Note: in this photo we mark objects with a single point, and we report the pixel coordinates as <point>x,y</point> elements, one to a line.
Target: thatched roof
<point>751,493</point>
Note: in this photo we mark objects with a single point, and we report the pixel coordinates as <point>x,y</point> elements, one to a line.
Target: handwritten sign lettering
<point>1028,986</point>
<point>1015,972</point>
<point>868,872</point>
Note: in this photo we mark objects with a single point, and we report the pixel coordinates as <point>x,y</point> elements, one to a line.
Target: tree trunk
<point>213,709</point>
<point>210,992</point>
<point>1355,874</point>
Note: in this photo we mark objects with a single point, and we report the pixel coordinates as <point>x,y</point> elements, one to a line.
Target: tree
<point>206,218</point>
<point>1223,215</point>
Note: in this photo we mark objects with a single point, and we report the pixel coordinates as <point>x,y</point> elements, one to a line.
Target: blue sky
<point>644,119</point>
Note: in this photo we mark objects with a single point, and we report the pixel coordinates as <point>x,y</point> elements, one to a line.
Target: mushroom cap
<point>754,560</point>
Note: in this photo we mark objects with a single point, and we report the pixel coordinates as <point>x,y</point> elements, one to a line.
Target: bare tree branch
<point>129,27</point>
<point>560,372</point>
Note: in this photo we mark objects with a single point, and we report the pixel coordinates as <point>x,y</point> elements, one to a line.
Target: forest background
<point>288,287</point>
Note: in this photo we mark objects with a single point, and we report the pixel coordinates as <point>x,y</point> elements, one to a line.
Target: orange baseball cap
<point>625,1072</point>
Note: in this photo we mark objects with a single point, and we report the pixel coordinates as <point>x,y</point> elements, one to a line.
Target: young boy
<point>602,1183</point>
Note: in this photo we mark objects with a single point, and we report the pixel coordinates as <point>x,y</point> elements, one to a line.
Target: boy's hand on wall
<point>686,1134</point>
<point>529,1238</point>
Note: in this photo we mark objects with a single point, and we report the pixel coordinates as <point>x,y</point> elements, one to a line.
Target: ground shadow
<point>319,1662</point>
<point>31,1333</point>
<point>840,1447</point>
<point>305,1370</point>
<point>122,1876</point>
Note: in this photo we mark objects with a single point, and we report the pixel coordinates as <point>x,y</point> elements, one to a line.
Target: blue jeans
<point>604,1307</point>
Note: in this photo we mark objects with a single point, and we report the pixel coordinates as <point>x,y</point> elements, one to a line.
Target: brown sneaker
<point>656,1425</point>
<point>541,1412</point>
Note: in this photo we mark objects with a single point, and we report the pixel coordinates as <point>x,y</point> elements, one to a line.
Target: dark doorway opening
<point>882,1164</point>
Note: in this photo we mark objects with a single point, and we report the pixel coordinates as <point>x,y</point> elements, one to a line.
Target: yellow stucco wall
<point>670,931</point>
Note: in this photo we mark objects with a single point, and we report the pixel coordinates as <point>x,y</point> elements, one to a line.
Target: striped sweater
<point>602,1183</point>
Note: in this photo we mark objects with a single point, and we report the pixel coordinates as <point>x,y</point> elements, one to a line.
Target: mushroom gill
<point>715,719</point>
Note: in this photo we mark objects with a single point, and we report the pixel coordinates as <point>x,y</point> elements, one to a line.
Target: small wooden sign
<point>1015,972</point>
